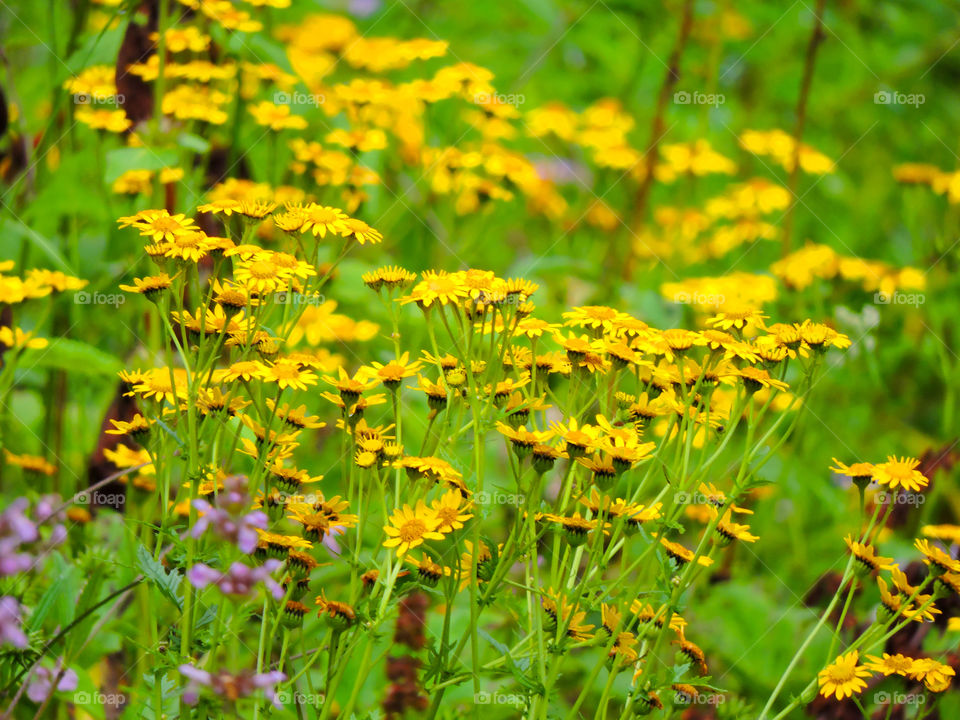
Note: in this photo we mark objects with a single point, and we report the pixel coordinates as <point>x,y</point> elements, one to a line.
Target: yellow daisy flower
<point>410,527</point>
<point>843,678</point>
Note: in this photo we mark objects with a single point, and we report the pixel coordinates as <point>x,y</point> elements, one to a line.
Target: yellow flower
<point>390,277</point>
<point>97,81</point>
<point>755,379</point>
<point>820,336</point>
<point>843,677</point>
<point>451,513</point>
<point>159,225</point>
<point>523,440</point>
<point>900,472</point>
<point>280,545</point>
<point>732,531</point>
<point>321,219</point>
<point>340,612</point>
<point>592,317</point>
<point>891,664</point>
<point>854,471</point>
<point>436,392</point>
<point>534,327</point>
<point>937,557</point>
<point>188,246</point>
<point>196,102</point>
<point>440,287</point>
<point>30,463</point>
<point>226,206</point>
<point>394,371</point>
<point>896,604</point>
<point>363,233</point>
<point>149,286</point>
<point>562,612</point>
<point>15,337</point>
<point>288,374</point>
<point>181,39</point>
<point>683,555</point>
<point>362,139</point>
<point>429,572</point>
<point>137,426</point>
<point>866,555</point>
<point>410,527</point>
<point>157,384</point>
<point>693,653</point>
<point>245,370</point>
<point>276,117</point>
<point>262,274</point>
<point>739,318</point>
<point>256,209</point>
<point>115,121</point>
<point>936,676</point>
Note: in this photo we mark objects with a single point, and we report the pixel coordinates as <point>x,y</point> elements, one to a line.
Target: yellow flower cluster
<point>799,269</point>
<point>781,148</point>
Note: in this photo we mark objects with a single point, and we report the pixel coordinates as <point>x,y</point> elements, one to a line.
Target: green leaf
<point>61,596</point>
<point>169,697</point>
<point>73,356</point>
<point>44,244</point>
<point>166,582</point>
<point>193,142</point>
<point>88,598</point>
<point>122,160</point>
<point>516,669</point>
<point>46,603</point>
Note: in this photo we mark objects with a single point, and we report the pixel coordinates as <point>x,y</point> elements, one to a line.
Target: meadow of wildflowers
<point>397,359</point>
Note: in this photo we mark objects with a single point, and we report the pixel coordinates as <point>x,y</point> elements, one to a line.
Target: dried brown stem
<point>652,154</point>
<point>808,65</point>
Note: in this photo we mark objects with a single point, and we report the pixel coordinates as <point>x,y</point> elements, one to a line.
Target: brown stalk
<point>815,39</point>
<point>656,132</point>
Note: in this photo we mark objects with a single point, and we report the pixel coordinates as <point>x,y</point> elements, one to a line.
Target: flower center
<point>263,269</point>
<point>412,530</point>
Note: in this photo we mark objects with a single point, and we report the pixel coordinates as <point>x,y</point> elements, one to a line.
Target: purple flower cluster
<point>227,685</point>
<point>10,625</point>
<point>227,519</point>
<point>18,530</point>
<point>41,686</point>
<point>240,580</point>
